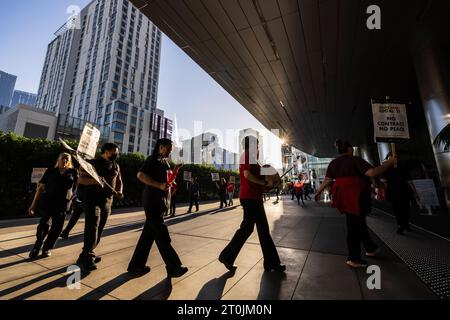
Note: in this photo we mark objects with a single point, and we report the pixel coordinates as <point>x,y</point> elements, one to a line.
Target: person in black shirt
<point>400,193</point>
<point>55,189</point>
<point>194,194</point>
<point>98,202</point>
<point>154,175</point>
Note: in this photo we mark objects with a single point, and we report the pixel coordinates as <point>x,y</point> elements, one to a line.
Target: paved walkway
<point>311,242</point>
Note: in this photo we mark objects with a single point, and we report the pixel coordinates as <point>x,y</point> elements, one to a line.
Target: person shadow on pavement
<point>213,289</point>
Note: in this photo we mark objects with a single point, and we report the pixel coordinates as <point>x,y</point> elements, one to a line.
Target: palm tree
<point>443,138</point>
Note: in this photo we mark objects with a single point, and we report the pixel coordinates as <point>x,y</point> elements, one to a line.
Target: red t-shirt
<point>250,190</point>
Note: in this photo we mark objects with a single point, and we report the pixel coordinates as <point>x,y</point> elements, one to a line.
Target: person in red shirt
<point>352,196</point>
<point>298,186</point>
<point>173,191</point>
<point>230,191</point>
<point>252,187</point>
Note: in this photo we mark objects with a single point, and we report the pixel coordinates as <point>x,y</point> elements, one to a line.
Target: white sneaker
<point>357,264</point>
<point>372,254</point>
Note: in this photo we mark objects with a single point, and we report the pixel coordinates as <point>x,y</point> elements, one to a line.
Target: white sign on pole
<point>215,177</point>
<point>187,176</point>
<point>90,170</point>
<point>427,193</point>
<point>37,174</point>
<point>232,179</point>
<point>89,141</point>
<point>390,121</point>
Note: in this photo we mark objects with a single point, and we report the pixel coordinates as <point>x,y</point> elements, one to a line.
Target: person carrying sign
<point>230,191</point>
<point>154,175</point>
<point>252,188</point>
<point>399,193</point>
<point>55,189</point>
<point>222,191</point>
<point>352,197</point>
<point>98,201</point>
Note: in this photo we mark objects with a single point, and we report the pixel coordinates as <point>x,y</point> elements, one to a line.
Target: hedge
<point>19,155</point>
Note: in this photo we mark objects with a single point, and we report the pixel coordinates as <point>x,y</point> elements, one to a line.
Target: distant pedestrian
<point>194,194</point>
<point>172,181</point>
<point>298,187</point>
<point>222,191</point>
<point>230,191</point>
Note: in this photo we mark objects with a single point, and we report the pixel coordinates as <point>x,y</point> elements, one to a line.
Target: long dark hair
<point>159,143</point>
<point>342,146</point>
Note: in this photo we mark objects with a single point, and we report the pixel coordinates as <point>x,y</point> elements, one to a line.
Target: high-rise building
<point>103,67</point>
<point>7,84</point>
<point>255,133</point>
<point>22,97</point>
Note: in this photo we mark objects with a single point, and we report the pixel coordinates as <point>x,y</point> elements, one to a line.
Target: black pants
<point>49,228</point>
<point>401,211</point>
<point>76,214</point>
<point>97,211</point>
<point>193,200</point>
<point>155,231</point>
<point>254,213</point>
<point>357,233</point>
<point>300,196</point>
<point>173,204</point>
<point>223,200</point>
<point>293,194</point>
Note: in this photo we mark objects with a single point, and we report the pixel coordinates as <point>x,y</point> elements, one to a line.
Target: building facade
<point>22,97</point>
<point>7,84</point>
<point>103,68</point>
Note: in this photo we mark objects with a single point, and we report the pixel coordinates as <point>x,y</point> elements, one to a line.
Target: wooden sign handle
<point>394,152</point>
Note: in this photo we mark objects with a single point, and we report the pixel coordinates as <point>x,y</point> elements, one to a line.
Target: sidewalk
<point>310,241</point>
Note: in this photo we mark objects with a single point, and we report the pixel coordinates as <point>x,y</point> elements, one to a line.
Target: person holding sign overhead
<point>98,201</point>
<point>154,175</point>
<point>55,189</point>
<point>252,188</point>
<point>352,197</point>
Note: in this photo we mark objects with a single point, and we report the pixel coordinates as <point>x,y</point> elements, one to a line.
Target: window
<point>118,136</point>
<point>119,126</point>
<point>120,116</point>
<point>121,106</point>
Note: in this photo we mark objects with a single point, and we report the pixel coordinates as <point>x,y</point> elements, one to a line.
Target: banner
<point>37,174</point>
<point>390,121</point>
<point>187,176</point>
<point>90,170</point>
<point>426,191</point>
<point>215,177</point>
<point>89,141</point>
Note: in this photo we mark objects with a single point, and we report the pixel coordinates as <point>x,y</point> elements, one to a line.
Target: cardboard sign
<point>90,170</point>
<point>390,121</point>
<point>232,179</point>
<point>37,174</point>
<point>426,191</point>
<point>66,146</point>
<point>215,177</point>
<point>187,176</point>
<point>89,141</point>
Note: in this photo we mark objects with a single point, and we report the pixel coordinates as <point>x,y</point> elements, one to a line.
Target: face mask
<point>113,157</point>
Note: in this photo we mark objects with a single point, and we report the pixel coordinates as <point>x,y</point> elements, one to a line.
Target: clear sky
<point>185,90</point>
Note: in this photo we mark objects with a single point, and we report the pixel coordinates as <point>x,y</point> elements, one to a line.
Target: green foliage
<point>19,155</point>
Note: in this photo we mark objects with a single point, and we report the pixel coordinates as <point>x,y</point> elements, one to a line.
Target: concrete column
<point>433,76</point>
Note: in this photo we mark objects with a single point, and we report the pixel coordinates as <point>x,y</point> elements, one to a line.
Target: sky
<point>186,92</point>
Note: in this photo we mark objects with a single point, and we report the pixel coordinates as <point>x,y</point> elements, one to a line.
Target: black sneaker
<point>34,253</point>
<point>139,270</point>
<point>46,253</point>
<point>400,230</point>
<point>98,259</point>
<point>276,268</point>
<point>176,273</point>
<point>64,236</point>
<point>232,268</point>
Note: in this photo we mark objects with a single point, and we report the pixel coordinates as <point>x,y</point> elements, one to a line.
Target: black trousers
<point>97,211</point>
<point>193,199</point>
<point>300,196</point>
<point>155,231</point>
<point>357,233</point>
<point>223,200</point>
<point>76,214</point>
<point>401,211</point>
<point>49,228</point>
<point>254,213</point>
<point>173,204</point>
